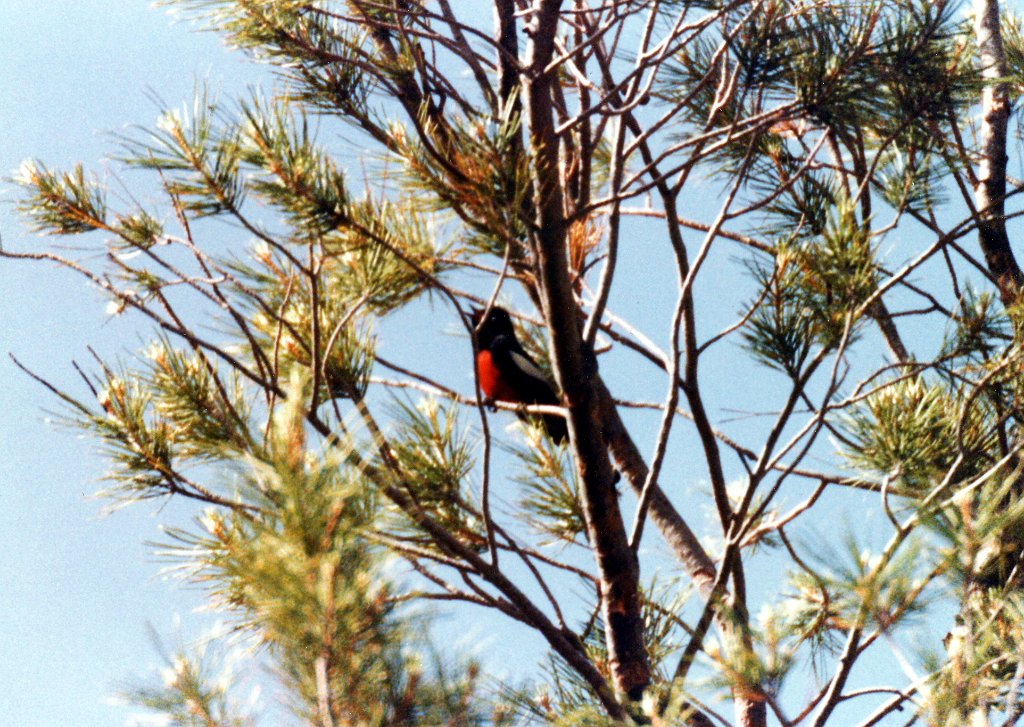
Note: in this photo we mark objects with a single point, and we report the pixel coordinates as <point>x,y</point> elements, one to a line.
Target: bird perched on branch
<point>508,374</point>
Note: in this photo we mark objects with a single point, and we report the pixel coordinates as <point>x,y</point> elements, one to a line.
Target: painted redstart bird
<point>508,374</point>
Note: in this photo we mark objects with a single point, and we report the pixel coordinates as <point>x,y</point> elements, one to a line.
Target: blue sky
<point>77,589</point>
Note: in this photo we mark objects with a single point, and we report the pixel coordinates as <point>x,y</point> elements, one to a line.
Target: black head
<point>497,323</point>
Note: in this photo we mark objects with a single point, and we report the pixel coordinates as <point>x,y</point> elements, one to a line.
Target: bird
<point>507,373</point>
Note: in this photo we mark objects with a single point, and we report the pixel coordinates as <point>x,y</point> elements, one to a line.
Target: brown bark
<point>990,192</point>
<point>575,370</point>
<point>508,43</point>
<point>630,462</point>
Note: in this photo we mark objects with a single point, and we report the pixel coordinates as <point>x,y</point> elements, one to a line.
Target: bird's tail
<point>557,428</point>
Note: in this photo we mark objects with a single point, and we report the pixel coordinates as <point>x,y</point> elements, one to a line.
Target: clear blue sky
<point>77,589</point>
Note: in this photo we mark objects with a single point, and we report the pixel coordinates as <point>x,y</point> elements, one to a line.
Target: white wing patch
<point>527,366</point>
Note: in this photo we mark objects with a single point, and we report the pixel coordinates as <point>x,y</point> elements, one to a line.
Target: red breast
<point>491,382</point>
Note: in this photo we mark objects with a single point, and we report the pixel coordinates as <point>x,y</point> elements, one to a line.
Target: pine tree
<point>796,195</point>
